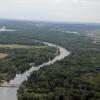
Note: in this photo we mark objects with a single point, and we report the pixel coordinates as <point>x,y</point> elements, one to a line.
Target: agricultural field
<point>12,46</point>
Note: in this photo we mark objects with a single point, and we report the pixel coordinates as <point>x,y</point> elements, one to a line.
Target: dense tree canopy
<point>76,77</point>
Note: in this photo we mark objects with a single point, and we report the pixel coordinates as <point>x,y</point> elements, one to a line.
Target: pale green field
<point>20,46</point>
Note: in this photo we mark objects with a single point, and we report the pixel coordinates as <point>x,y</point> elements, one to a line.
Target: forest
<point>76,77</point>
<point>19,54</point>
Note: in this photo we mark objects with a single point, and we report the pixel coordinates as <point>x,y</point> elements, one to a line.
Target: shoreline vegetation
<point>20,57</point>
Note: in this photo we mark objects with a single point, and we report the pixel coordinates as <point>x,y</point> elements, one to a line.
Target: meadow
<point>12,46</point>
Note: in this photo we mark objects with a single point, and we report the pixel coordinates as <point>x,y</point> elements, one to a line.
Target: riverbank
<point>6,93</point>
<point>20,57</point>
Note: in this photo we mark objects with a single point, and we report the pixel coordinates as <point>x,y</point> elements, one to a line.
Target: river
<point>9,93</point>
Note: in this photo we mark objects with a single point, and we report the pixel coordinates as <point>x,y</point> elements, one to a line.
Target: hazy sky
<point>61,10</point>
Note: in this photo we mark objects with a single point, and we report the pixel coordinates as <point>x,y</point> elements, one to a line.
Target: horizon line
<point>52,21</point>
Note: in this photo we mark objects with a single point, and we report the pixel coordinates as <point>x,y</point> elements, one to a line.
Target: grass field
<point>3,55</point>
<point>19,46</point>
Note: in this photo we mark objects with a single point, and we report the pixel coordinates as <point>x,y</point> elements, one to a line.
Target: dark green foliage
<point>19,60</point>
<point>66,80</point>
<point>77,77</point>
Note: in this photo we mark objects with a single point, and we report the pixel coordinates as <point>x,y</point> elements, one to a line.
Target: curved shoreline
<point>7,93</point>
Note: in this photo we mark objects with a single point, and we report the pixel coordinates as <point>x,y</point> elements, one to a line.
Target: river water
<point>9,93</point>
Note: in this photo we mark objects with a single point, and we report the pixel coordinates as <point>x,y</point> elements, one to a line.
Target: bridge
<point>10,85</point>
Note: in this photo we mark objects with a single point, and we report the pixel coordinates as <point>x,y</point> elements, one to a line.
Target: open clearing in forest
<point>3,55</point>
<point>19,46</point>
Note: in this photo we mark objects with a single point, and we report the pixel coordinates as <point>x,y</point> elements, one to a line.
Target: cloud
<point>90,0</point>
<point>67,10</point>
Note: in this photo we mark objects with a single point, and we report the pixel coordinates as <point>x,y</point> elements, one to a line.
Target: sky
<point>51,10</point>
